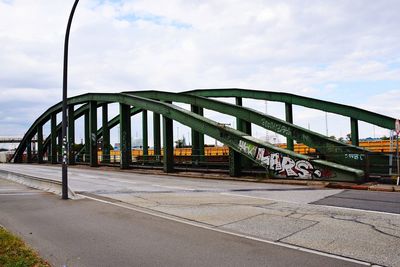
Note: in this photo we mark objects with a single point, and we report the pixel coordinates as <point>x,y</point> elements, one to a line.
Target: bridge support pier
<point>93,133</point>
<point>168,143</point>
<point>157,135</point>
<point>234,163</point>
<point>71,134</point>
<point>87,138</point>
<point>29,151</point>
<point>106,134</point>
<point>53,137</point>
<point>354,132</point>
<point>289,119</point>
<point>238,161</point>
<point>145,136</point>
<point>197,139</point>
<point>40,144</point>
<point>125,136</point>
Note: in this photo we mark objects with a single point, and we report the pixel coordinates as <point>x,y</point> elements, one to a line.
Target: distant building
<point>137,143</point>
<point>117,146</point>
<point>5,156</point>
<point>369,139</point>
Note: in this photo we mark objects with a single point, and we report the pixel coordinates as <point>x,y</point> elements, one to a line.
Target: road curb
<point>47,185</point>
<point>380,188</point>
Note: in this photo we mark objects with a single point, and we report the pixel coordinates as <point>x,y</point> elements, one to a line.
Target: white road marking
<point>352,209</point>
<point>264,198</point>
<point>326,206</point>
<point>175,187</point>
<point>234,234</point>
<point>121,181</point>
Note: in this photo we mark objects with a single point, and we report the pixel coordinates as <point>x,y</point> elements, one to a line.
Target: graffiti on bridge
<point>276,127</point>
<point>355,156</point>
<point>280,164</point>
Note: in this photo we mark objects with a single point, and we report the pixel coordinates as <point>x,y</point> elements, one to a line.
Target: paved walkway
<point>90,233</point>
<point>281,214</point>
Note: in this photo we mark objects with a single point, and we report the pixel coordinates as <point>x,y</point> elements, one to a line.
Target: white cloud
<point>385,103</point>
<point>303,47</point>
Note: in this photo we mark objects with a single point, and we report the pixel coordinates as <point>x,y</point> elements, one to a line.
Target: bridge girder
<point>332,150</point>
<point>331,107</point>
<point>256,150</point>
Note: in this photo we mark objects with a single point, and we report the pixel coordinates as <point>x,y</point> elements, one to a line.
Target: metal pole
<point>64,109</point>
<point>326,124</point>
<point>398,160</point>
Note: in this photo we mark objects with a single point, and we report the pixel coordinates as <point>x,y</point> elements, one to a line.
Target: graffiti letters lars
<point>280,164</point>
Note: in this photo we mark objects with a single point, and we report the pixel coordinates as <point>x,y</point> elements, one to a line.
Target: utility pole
<point>326,124</point>
<point>64,109</point>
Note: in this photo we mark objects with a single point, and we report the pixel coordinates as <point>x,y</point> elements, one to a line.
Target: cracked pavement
<point>279,213</point>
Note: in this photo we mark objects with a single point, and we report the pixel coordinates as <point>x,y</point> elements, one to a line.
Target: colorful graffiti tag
<point>281,164</point>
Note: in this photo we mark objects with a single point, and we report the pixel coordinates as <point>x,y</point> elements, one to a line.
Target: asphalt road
<point>90,233</point>
<point>364,200</point>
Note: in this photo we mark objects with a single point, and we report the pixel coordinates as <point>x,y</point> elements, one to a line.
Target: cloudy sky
<point>341,51</point>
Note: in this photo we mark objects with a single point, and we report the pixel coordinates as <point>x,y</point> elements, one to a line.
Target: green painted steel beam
<point>40,151</point>
<point>200,112</point>
<point>168,144</point>
<point>278,162</point>
<point>125,135</point>
<point>86,156</point>
<point>71,130</point>
<point>345,110</point>
<point>241,124</point>
<point>77,114</point>
<point>93,134</point>
<point>157,135</point>
<point>289,119</point>
<point>235,168</point>
<point>236,161</point>
<point>145,135</point>
<point>239,121</point>
<point>197,139</point>
<point>112,123</point>
<point>43,119</point>
<point>356,113</point>
<point>233,137</point>
<point>354,132</point>
<point>71,134</point>
<point>29,151</point>
<point>105,133</point>
<point>333,150</point>
<point>53,137</point>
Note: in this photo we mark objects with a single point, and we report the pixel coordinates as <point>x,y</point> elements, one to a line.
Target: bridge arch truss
<point>339,161</point>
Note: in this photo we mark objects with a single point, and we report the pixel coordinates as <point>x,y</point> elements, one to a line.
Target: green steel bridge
<point>336,161</point>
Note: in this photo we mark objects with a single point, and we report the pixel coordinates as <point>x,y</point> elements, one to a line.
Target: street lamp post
<point>64,109</point>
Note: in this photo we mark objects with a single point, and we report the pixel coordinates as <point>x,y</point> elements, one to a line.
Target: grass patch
<point>15,253</point>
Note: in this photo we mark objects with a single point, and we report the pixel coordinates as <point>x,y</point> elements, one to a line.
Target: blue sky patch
<point>159,20</point>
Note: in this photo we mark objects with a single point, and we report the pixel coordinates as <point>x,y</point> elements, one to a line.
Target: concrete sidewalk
<point>367,236</point>
<point>280,214</point>
<point>84,233</point>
